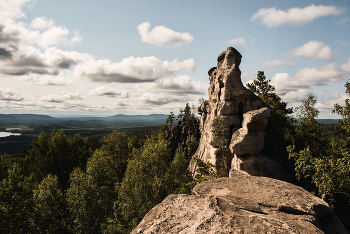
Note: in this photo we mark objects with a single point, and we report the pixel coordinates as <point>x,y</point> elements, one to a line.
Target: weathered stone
<point>256,120</point>
<point>260,165</point>
<point>246,142</point>
<point>242,204</point>
<point>228,100</point>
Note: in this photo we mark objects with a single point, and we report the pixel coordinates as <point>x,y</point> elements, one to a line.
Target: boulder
<point>245,142</point>
<point>242,204</point>
<point>256,120</point>
<point>260,165</point>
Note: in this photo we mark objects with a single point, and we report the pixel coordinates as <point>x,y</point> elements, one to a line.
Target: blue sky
<point>141,57</point>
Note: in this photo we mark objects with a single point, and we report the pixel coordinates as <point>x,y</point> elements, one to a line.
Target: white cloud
<point>11,9</point>
<point>108,91</point>
<point>131,70</point>
<point>161,98</point>
<point>41,31</point>
<point>7,94</point>
<point>163,36</point>
<point>307,77</point>
<point>42,23</point>
<point>69,96</point>
<point>277,63</point>
<point>53,36</point>
<point>181,85</point>
<point>272,17</point>
<point>346,66</point>
<point>327,105</point>
<point>76,38</point>
<point>314,50</point>
<point>237,41</point>
<point>298,95</point>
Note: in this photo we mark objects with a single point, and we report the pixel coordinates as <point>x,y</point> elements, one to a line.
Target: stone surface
<point>230,101</point>
<point>245,142</point>
<point>242,204</point>
<point>256,120</point>
<point>260,165</point>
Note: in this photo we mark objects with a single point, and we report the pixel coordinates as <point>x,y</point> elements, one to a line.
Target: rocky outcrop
<point>232,122</point>
<point>242,204</point>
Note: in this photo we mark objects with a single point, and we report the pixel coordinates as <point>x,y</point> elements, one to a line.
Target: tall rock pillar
<point>233,118</point>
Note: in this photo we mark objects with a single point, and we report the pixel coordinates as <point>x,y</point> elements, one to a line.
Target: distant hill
<point>33,120</point>
<point>328,121</point>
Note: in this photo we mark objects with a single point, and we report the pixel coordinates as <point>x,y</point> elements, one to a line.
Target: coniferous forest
<point>64,185</point>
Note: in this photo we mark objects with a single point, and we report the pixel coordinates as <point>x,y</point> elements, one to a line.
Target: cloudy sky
<point>107,57</point>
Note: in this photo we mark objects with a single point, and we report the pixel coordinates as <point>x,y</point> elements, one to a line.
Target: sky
<point>108,57</point>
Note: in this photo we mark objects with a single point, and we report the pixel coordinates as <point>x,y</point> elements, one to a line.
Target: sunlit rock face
<point>242,204</point>
<point>232,120</point>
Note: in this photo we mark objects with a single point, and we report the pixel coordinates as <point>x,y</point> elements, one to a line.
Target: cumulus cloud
<point>346,66</point>
<point>108,92</point>
<point>314,50</point>
<point>307,77</point>
<point>278,63</point>
<point>298,95</point>
<point>161,98</point>
<point>42,23</point>
<point>328,104</point>
<point>41,31</point>
<point>11,9</point>
<point>273,17</point>
<point>67,97</point>
<point>131,70</point>
<point>163,36</point>
<point>237,41</point>
<point>7,94</point>
<point>179,85</point>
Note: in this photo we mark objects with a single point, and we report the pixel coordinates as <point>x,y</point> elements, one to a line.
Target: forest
<point>64,185</point>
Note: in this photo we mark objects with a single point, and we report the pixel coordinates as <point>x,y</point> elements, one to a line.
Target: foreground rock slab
<point>242,204</point>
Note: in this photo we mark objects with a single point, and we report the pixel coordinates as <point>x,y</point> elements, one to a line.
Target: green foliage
<point>91,195</point>
<point>57,155</point>
<point>219,132</point>
<point>151,175</point>
<point>308,132</point>
<point>118,146</point>
<point>171,119</point>
<point>16,202</point>
<point>187,116</point>
<point>50,209</point>
<point>144,183</point>
<point>326,161</point>
<point>261,85</point>
<point>205,171</point>
<point>5,165</point>
<point>280,125</point>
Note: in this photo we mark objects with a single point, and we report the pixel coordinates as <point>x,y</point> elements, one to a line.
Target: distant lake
<point>6,134</point>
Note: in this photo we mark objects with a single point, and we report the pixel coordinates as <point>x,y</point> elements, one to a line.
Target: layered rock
<point>242,204</point>
<point>232,120</point>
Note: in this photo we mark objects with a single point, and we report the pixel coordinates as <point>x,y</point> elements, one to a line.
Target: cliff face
<point>232,120</point>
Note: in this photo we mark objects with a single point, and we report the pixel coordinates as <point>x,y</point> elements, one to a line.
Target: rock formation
<point>242,204</point>
<point>232,122</point>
